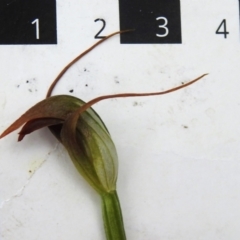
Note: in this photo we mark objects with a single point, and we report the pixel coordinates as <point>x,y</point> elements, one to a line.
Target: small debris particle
<point>27,81</point>
<point>71,91</point>
<point>137,104</point>
<point>116,80</point>
<point>182,83</point>
<point>30,90</point>
<point>86,85</point>
<point>30,171</point>
<point>184,126</point>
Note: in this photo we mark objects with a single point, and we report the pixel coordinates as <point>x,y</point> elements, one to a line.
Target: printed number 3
<point>163,26</point>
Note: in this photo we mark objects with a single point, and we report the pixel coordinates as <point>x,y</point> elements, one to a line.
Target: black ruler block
<point>28,22</point>
<point>154,21</point>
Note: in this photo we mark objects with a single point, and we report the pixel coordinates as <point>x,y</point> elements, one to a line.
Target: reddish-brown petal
<point>53,107</point>
<point>36,124</point>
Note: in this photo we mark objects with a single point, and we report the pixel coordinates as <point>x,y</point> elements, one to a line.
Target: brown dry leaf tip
<point>95,100</point>
<point>79,57</point>
<point>83,108</point>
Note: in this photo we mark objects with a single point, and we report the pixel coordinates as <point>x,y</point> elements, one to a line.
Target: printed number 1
<point>36,21</point>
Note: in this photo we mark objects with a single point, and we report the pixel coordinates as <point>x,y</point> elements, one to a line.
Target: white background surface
<point>179,168</point>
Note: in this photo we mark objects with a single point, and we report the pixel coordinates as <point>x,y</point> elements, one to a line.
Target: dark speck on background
<point>135,104</point>
<point>116,80</point>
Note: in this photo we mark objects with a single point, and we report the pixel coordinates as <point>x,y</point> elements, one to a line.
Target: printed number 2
<point>104,24</point>
<point>163,26</point>
<point>36,21</point>
<point>223,26</point>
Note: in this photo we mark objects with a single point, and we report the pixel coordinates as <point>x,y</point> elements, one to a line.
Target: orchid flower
<point>87,140</point>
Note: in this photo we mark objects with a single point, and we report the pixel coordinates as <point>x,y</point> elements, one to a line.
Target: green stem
<point>112,216</point>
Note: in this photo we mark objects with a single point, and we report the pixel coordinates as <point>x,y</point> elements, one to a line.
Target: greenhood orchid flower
<point>87,140</point>
<point>90,142</point>
<point>89,145</point>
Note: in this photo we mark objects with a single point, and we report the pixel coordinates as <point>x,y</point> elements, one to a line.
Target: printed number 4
<point>222,29</point>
